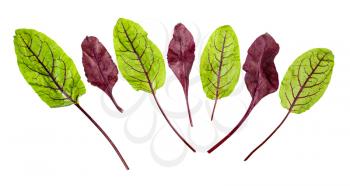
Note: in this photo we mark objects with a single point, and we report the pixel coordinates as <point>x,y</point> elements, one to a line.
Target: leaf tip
<point>179,25</point>
<point>21,30</point>
<point>89,39</point>
<point>225,27</point>
<point>325,50</point>
<point>122,20</point>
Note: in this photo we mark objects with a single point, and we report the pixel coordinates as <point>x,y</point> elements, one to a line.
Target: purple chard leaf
<point>181,57</point>
<point>261,77</point>
<point>99,67</point>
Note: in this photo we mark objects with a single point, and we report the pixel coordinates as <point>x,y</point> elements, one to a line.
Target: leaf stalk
<point>170,124</point>
<point>268,137</point>
<point>250,108</point>
<point>104,134</point>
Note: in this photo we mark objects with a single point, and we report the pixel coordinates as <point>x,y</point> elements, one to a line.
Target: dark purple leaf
<point>181,57</point>
<point>261,76</point>
<point>99,67</point>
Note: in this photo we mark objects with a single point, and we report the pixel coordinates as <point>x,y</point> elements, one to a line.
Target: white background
<point>42,146</point>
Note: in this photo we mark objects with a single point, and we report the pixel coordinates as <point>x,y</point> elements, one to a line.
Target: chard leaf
<point>139,59</point>
<point>181,57</point>
<point>304,84</point>
<point>99,67</point>
<point>220,64</point>
<point>261,76</point>
<point>44,65</point>
<point>140,62</point>
<point>52,74</point>
<point>306,80</point>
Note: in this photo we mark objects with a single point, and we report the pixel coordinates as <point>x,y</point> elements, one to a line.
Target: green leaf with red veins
<point>220,64</point>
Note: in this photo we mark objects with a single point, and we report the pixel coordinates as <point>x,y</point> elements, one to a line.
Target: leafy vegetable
<point>99,67</point>
<point>304,84</point>
<point>51,73</point>
<point>220,64</point>
<point>261,76</point>
<point>140,61</point>
<point>181,57</point>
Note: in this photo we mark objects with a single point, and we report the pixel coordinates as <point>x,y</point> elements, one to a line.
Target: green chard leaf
<point>304,84</point>
<point>52,74</point>
<point>220,64</point>
<point>140,61</point>
<point>44,65</point>
<point>306,80</point>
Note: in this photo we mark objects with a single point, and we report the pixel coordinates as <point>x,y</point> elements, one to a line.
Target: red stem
<point>116,105</point>
<point>219,77</point>
<point>172,127</point>
<point>189,111</point>
<point>268,137</point>
<point>250,108</point>
<point>212,112</point>
<point>105,135</point>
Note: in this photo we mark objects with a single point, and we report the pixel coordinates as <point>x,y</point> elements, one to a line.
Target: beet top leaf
<point>304,84</point>
<point>261,77</point>
<point>99,67</point>
<point>220,64</point>
<point>181,57</point>
<point>51,73</point>
<point>140,62</point>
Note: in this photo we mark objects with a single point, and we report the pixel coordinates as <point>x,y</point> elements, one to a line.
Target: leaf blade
<point>99,67</point>
<point>261,76</point>
<point>306,80</point>
<point>220,64</point>
<point>47,68</point>
<point>210,64</point>
<point>180,58</point>
<point>139,59</point>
